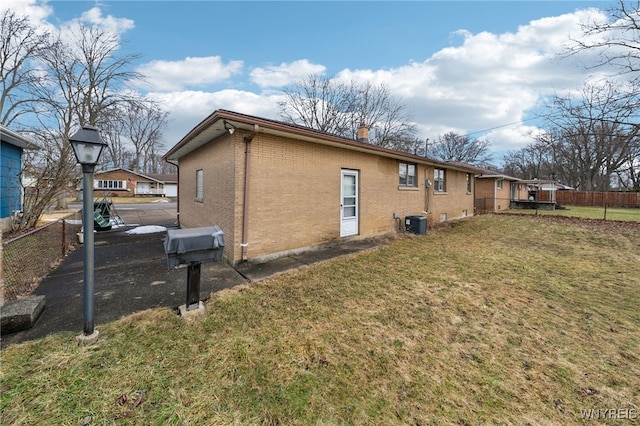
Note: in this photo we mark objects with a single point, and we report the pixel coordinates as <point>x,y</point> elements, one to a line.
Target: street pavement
<point>131,274</point>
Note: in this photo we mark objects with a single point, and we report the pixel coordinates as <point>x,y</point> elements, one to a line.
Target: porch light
<point>229,127</point>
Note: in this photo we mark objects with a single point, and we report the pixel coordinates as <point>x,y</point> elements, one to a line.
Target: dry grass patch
<point>627,214</point>
<point>497,319</point>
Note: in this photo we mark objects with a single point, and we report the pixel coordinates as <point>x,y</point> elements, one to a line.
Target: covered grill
<point>192,246</point>
<point>204,244</point>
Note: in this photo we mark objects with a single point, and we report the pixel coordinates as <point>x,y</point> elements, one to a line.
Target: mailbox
<point>192,246</point>
<point>204,244</point>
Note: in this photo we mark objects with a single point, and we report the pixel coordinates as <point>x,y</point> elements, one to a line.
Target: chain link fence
<point>29,257</point>
<point>624,210</point>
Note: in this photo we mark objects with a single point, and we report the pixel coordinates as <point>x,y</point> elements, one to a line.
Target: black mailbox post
<point>191,247</point>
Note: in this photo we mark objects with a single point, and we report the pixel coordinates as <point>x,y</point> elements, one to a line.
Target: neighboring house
<point>126,183</point>
<point>12,146</point>
<point>276,188</point>
<point>493,190</point>
<point>550,185</point>
<point>540,193</point>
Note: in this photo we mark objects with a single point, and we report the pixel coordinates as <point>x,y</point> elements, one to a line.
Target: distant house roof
<point>16,139</point>
<point>483,173</point>
<point>214,125</point>
<point>549,185</point>
<point>162,178</point>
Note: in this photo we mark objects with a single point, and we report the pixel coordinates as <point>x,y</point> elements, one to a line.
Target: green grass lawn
<point>498,319</point>
<point>611,213</point>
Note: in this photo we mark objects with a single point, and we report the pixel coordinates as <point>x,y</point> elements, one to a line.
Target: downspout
<point>175,163</point>
<point>495,195</point>
<point>245,205</point>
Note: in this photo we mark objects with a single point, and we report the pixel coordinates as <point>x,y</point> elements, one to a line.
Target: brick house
<point>126,183</point>
<point>276,188</point>
<point>494,190</point>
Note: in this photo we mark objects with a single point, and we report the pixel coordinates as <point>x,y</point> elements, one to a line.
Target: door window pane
<point>349,185</point>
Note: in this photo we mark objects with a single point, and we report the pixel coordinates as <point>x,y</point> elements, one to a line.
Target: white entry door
<point>349,203</point>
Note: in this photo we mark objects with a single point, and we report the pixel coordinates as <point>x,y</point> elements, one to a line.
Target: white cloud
<point>190,72</point>
<point>512,138</point>
<point>284,74</point>
<point>109,23</point>
<point>188,108</point>
<point>93,18</point>
<point>489,80</point>
<point>486,81</point>
<point>38,13</point>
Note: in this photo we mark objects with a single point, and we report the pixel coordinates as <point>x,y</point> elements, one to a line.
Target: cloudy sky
<point>472,67</point>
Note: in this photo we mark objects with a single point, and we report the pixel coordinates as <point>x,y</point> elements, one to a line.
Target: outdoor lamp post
<point>87,146</point>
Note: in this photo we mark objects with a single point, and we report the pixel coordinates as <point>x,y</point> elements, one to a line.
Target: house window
<point>439,182</point>
<point>407,173</point>
<point>468,183</point>
<point>111,184</point>
<point>499,184</point>
<point>199,185</point>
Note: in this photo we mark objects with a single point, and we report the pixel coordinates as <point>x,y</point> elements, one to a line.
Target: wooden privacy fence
<point>594,198</point>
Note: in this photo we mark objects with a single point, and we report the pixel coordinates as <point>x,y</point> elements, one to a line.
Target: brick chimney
<point>363,133</point>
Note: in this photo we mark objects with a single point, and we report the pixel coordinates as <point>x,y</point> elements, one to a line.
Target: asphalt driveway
<point>131,274</point>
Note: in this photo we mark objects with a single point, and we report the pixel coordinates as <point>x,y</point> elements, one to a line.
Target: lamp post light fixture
<point>87,146</point>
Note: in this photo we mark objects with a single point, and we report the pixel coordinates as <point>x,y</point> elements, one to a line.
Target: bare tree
<point>319,103</point>
<point>628,174</point>
<point>118,153</point>
<point>455,147</point>
<point>20,44</point>
<point>613,43</point>
<point>85,80</point>
<point>336,107</point>
<point>389,123</point>
<point>143,122</point>
<point>530,162</point>
<point>588,141</point>
<point>593,137</point>
<point>133,135</point>
<point>82,79</point>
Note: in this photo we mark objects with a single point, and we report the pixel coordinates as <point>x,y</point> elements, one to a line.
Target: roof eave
<point>142,175</point>
<point>504,177</point>
<point>16,139</point>
<point>212,127</point>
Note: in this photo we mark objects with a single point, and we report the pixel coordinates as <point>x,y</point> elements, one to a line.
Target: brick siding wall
<point>503,196</point>
<point>455,203</point>
<point>221,181</point>
<point>485,191</point>
<point>295,193</point>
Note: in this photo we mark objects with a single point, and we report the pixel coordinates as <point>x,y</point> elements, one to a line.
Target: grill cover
<point>204,244</point>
